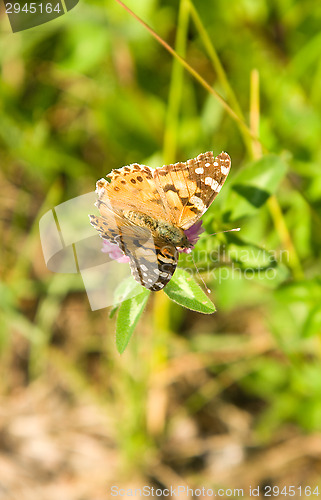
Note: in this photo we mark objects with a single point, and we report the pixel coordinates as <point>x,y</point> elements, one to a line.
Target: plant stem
<point>272,203</point>
<point>176,86</point>
<point>209,47</point>
<point>192,71</point>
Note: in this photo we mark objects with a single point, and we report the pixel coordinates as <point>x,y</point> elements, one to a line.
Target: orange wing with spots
<point>188,189</point>
<point>132,188</point>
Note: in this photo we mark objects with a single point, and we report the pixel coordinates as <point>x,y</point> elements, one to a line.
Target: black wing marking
<point>152,260</point>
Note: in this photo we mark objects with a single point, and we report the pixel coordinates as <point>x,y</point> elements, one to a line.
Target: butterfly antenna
<point>206,287</point>
<point>226,231</point>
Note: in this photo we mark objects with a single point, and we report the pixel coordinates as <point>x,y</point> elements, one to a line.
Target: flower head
<point>114,251</point>
<point>192,234</point>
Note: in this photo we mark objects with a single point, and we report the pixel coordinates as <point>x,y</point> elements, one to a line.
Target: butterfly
<point>153,214</point>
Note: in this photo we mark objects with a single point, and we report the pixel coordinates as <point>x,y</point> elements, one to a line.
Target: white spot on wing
<point>225,170</point>
<point>199,204</point>
<point>100,187</point>
<point>199,170</point>
<point>163,274</point>
<point>208,164</point>
<point>213,184</point>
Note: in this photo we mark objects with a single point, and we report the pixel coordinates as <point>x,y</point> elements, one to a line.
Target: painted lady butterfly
<point>151,215</point>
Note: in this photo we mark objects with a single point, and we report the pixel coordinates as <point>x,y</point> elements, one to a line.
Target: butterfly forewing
<point>192,185</point>
<point>133,187</point>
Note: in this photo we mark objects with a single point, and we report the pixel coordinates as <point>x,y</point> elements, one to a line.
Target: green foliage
<point>132,298</point>
<point>129,313</point>
<point>183,290</point>
<point>253,185</point>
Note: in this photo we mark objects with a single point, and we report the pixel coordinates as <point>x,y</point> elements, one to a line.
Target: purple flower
<point>192,234</point>
<point>114,251</point>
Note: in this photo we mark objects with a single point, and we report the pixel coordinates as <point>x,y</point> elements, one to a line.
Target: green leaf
<point>185,291</point>
<point>253,185</point>
<point>126,289</point>
<point>128,315</point>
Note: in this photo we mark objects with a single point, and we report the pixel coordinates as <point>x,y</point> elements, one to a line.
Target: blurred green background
<point>230,400</point>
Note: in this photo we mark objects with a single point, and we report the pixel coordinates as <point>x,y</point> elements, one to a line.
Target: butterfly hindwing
<point>153,264</point>
<point>152,261</point>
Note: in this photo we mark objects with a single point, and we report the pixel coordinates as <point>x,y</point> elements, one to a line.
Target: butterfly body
<point>159,228</point>
<point>150,214</point>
